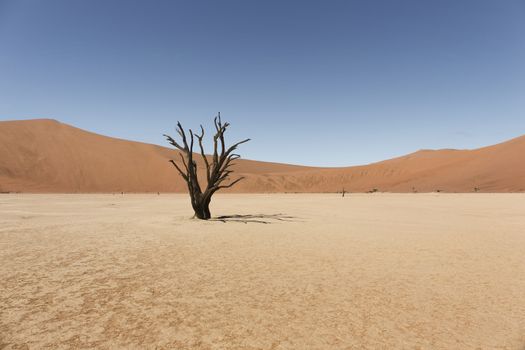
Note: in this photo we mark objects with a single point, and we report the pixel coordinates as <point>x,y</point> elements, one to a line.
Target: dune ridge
<point>46,156</point>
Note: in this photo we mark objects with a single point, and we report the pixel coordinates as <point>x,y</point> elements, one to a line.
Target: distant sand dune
<point>47,156</point>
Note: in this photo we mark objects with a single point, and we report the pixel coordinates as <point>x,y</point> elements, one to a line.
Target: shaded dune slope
<point>47,156</point>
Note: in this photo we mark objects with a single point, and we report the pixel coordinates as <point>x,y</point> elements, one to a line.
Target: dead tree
<point>217,167</point>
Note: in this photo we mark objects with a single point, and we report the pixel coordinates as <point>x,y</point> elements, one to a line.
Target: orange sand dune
<point>47,156</point>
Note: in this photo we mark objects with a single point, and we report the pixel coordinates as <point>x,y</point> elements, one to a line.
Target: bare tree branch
<point>233,183</point>
<point>184,163</point>
<point>173,142</point>
<point>179,169</point>
<point>182,134</point>
<point>204,158</point>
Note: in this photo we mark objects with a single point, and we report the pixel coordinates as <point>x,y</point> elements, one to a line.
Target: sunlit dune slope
<point>47,156</point>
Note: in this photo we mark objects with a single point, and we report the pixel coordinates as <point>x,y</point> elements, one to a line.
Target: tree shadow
<point>255,218</point>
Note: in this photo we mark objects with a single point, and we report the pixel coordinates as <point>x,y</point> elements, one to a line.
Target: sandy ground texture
<point>378,271</point>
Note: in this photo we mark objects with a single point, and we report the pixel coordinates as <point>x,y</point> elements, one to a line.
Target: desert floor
<point>379,271</point>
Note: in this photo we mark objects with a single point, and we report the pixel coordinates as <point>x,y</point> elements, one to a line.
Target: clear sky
<point>328,83</point>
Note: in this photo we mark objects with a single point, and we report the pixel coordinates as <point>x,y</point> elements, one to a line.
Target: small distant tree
<point>218,166</point>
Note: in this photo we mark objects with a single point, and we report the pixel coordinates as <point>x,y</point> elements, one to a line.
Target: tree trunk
<point>201,207</point>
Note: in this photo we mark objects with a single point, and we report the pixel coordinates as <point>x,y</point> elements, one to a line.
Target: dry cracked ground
<point>311,271</point>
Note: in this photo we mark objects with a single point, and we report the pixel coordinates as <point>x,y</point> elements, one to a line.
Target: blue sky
<point>329,83</point>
